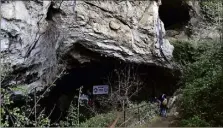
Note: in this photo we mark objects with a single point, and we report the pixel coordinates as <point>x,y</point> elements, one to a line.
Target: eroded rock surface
<point>191,20</point>
<point>39,36</point>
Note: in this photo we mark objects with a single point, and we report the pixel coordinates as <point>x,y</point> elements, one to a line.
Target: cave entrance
<point>174,14</point>
<point>67,87</point>
<point>156,80</point>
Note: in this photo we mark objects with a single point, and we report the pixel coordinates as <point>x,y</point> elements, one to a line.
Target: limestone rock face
<point>37,36</point>
<point>174,103</point>
<point>197,25</point>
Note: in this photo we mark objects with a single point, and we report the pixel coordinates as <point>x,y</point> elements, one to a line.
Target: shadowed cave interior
<point>174,14</point>
<point>156,80</point>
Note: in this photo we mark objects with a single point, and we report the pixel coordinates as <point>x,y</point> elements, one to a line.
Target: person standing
<point>90,102</point>
<point>163,105</point>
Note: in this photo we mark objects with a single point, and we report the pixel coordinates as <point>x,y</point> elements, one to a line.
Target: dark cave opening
<point>52,12</point>
<point>94,69</point>
<point>85,75</point>
<point>156,80</point>
<point>174,14</point>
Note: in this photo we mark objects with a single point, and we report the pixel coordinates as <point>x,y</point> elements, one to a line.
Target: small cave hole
<point>53,11</point>
<point>174,14</point>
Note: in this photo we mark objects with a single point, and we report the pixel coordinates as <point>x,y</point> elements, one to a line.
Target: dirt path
<point>162,122</point>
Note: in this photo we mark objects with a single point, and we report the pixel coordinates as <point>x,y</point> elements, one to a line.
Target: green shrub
<point>71,118</point>
<point>101,120</point>
<point>18,116</point>
<point>203,90</point>
<point>184,52</point>
<point>211,10</point>
<point>74,117</point>
<point>146,111</point>
<point>194,122</point>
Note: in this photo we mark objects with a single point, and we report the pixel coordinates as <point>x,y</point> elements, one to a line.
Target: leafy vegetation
<point>135,115</point>
<point>19,115</point>
<point>101,120</point>
<point>194,121</point>
<point>202,79</point>
<point>211,10</point>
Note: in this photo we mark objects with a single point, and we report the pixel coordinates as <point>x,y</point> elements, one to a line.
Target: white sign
<point>100,89</point>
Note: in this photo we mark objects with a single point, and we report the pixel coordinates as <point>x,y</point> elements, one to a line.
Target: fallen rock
<point>114,25</point>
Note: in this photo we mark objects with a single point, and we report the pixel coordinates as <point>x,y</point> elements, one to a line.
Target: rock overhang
<point>126,32</point>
